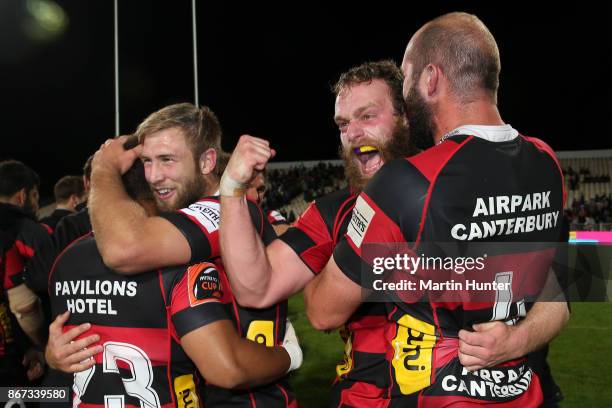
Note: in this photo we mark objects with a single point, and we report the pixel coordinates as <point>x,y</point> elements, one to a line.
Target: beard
<point>190,192</point>
<point>420,120</point>
<point>30,207</point>
<point>399,145</point>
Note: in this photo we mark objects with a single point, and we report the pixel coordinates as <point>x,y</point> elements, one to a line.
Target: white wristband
<point>292,347</point>
<point>230,187</point>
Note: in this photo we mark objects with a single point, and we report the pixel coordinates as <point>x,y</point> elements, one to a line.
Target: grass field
<point>581,357</point>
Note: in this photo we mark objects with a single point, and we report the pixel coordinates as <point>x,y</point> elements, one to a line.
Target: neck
<point>63,207</point>
<point>479,112</point>
<point>212,188</point>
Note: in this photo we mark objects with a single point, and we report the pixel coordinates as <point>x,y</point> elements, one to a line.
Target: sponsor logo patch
<point>276,216</point>
<point>207,213</point>
<point>262,332</point>
<point>204,284</point>
<point>185,390</point>
<point>360,221</point>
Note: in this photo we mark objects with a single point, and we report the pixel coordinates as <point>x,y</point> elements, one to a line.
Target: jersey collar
<point>502,133</point>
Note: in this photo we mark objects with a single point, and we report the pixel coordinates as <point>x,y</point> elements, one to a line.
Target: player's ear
<point>431,77</point>
<point>208,161</point>
<point>20,197</point>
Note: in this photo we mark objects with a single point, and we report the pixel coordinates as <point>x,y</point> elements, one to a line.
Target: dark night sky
<point>267,70</point>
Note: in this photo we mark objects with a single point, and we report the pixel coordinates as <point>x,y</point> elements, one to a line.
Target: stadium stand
<point>291,186</point>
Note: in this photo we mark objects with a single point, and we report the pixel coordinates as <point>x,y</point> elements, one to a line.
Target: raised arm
<point>128,239</point>
<point>260,276</point>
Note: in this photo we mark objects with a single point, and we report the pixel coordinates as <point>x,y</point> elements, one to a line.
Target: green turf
<point>322,351</point>
<point>581,357</point>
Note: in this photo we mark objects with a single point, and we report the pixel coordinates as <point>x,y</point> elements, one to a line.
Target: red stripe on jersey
<point>542,146</point>
<point>25,250</point>
<point>252,398</point>
<point>430,163</point>
<point>213,239</point>
<point>261,217</point>
<point>169,323</point>
<point>150,341</point>
<point>282,390</point>
<point>237,315</point>
<point>169,366</point>
<point>277,325</point>
<point>363,394</point>
<point>312,224</point>
<point>369,339</point>
<point>13,264</point>
<point>342,213</point>
<point>378,230</point>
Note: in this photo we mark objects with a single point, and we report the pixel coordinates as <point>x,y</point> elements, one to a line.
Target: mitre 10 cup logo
<point>204,283</point>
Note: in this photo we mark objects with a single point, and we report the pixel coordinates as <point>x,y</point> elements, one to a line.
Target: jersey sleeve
<point>386,213</point>
<point>200,296</point>
<point>199,224</point>
<point>36,253</point>
<point>276,218</point>
<point>261,223</point>
<point>310,239</point>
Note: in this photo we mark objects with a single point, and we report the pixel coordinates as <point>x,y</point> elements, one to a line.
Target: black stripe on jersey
<point>103,384</point>
<point>329,205</point>
<point>261,223</point>
<point>408,194</point>
<point>352,265</point>
<point>198,316</point>
<point>297,239</point>
<point>200,247</point>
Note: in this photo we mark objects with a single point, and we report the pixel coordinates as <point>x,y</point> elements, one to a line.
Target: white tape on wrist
<point>292,347</point>
<point>231,188</point>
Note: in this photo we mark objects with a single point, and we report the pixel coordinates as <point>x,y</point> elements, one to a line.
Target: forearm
<point>26,307</point>
<point>259,364</point>
<point>545,319</point>
<point>543,323</point>
<point>243,252</point>
<point>115,217</point>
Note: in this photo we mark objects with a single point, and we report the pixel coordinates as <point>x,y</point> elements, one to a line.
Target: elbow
<point>248,301</point>
<point>118,257</point>
<point>322,321</point>
<point>254,300</point>
<point>566,315</point>
<point>231,377</point>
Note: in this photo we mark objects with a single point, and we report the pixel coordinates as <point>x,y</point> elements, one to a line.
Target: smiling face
<point>367,122</point>
<point>170,169</point>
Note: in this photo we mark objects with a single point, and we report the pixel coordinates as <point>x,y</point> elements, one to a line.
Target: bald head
<point>463,48</point>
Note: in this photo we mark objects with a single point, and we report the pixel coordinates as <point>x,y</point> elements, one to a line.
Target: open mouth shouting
<point>369,159</point>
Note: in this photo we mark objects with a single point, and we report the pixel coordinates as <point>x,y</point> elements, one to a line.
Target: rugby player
<point>179,146</point>
<point>451,68</point>
<point>370,115</point>
<point>154,330</point>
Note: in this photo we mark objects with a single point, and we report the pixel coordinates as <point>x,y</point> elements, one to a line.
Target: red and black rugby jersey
<point>363,376</point>
<point>276,218</point>
<point>140,320</point>
<point>27,238</point>
<point>199,223</point>
<point>464,190</point>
